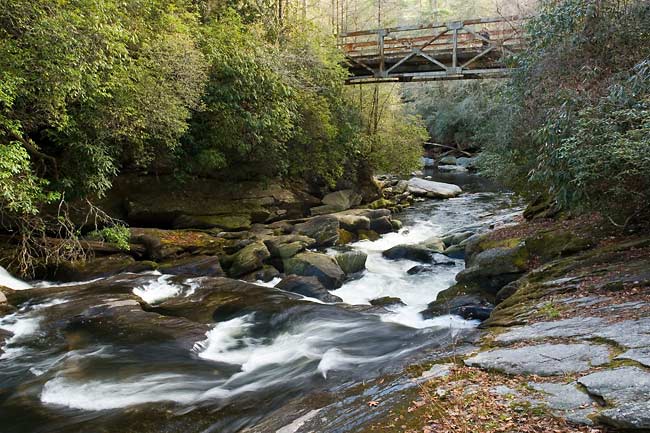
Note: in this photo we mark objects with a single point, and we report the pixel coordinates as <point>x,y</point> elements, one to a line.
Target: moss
<point>345,237</point>
<point>370,235</point>
<point>382,203</point>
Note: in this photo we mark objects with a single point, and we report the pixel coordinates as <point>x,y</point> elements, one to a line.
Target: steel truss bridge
<point>456,50</point>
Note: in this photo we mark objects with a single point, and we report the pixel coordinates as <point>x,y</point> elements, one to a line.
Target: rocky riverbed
<point>344,321</point>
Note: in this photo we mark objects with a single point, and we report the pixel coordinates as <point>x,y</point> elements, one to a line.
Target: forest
<point>324,216</point>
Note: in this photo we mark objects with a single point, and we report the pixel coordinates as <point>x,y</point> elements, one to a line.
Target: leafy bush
<point>118,235</point>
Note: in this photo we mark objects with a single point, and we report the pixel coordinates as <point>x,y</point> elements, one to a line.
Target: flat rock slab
<point>627,391</point>
<point>543,359</point>
<point>640,355</point>
<point>569,328</point>
<point>427,188</point>
<point>566,400</point>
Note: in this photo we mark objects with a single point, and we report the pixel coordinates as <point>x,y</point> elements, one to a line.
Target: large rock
<point>468,163</point>
<point>287,246</point>
<point>321,266</point>
<point>494,268</point>
<point>307,286</point>
<point>323,229</point>
<point>543,359</point>
<point>344,199</point>
<point>354,223</point>
<point>416,253</point>
<point>249,259</point>
<point>469,307</point>
<point>434,243</point>
<point>99,267</point>
<point>626,391</point>
<point>449,160</point>
<point>352,261</point>
<point>162,244</point>
<point>381,225</point>
<point>194,266</point>
<point>231,222</point>
<point>427,188</point>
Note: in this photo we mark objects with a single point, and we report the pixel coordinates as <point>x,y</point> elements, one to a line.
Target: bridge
<point>456,50</point>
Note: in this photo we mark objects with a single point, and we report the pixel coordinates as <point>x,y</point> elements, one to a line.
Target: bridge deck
<point>441,51</point>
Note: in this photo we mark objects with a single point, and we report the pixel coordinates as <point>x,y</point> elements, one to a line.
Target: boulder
<point>98,267</point>
<point>286,246</point>
<point>352,262</point>
<point>368,235</point>
<point>422,269</point>
<point>231,222</point>
<point>494,268</point>
<point>449,160</point>
<point>456,238</point>
<point>162,244</point>
<point>417,253</point>
<point>386,301</point>
<point>469,307</point>
<point>401,187</point>
<point>343,200</point>
<point>193,266</point>
<point>307,286</point>
<point>266,274</point>
<point>353,223</point>
<point>397,225</point>
<point>249,259</point>
<point>381,203</point>
<point>427,188</point>
<point>452,169</point>
<point>346,237</point>
<point>381,225</point>
<point>434,244</point>
<point>323,229</point>
<point>321,266</point>
<point>455,252</point>
<point>468,163</point>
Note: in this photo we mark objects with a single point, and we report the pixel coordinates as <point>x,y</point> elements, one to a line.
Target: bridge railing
<point>451,50</point>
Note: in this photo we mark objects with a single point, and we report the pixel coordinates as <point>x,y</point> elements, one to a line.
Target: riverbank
<point>566,348</point>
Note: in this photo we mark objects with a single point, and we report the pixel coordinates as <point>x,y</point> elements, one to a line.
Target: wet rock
<point>353,223</point>
<point>626,391</point>
<point>321,266</point>
<point>452,169</point>
<point>323,229</point>
<point>307,286</point>
<point>543,359</point>
<point>287,246</point>
<point>416,253</point>
<point>469,163</point>
<point>434,243</point>
<point>386,301</point>
<point>162,244</point>
<point>494,268</point>
<point>397,225</point>
<point>455,252</point>
<point>449,160</point>
<point>469,307</point>
<point>219,299</point>
<point>98,267</point>
<point>420,269</point>
<point>352,261</point>
<point>426,188</point>
<point>456,238</point>
<point>346,237</point>
<point>381,203</point>
<point>194,266</point>
<point>249,259</point>
<point>381,225</point>
<point>369,235</point>
<point>266,274</point>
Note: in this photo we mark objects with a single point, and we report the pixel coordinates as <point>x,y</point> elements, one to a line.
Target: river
<point>96,362</point>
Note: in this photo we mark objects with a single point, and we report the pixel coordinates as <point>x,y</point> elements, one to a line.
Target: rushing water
<point>89,359</point>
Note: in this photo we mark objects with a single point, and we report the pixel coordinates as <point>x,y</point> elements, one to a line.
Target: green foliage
<point>579,123</point>
<point>117,234</point>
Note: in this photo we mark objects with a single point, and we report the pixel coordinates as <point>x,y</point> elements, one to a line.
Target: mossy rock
<point>249,259</point>
<point>321,266</point>
<point>369,235</point>
<point>381,203</point>
<point>346,237</point>
<point>231,222</point>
